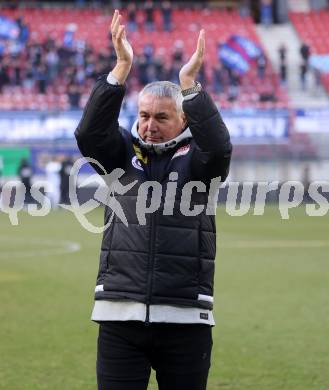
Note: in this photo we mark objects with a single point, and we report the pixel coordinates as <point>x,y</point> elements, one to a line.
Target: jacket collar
<point>161,147</point>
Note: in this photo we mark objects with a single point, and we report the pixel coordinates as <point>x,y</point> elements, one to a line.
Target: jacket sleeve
<point>211,136</point>
<point>98,135</point>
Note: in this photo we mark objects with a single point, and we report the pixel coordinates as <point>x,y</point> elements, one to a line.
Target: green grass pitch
<point>271,304</point>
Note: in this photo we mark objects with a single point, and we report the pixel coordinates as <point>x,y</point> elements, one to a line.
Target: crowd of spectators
<point>71,66</point>
<point>54,68</point>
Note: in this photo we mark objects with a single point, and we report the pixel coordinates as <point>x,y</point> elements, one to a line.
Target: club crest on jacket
<point>136,163</point>
<point>181,151</point>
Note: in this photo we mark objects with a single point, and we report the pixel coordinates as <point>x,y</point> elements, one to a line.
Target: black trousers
<point>179,353</point>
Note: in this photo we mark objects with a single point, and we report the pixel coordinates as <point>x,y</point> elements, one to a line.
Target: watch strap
<point>197,88</point>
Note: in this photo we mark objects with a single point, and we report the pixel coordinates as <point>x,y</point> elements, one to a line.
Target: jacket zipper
<point>154,176</point>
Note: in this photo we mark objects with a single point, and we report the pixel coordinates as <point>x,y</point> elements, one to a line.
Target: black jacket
<point>170,258</point>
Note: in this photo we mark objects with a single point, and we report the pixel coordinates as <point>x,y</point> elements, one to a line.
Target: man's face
<point>158,119</point>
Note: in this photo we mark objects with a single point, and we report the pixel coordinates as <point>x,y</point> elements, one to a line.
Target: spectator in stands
<point>151,73</point>
<point>23,31</point>
<point>217,79</point>
<point>35,54</point>
<point>69,36</point>
<point>178,51</point>
<point>234,85</point>
<point>166,10</point>
<point>64,173</point>
<point>142,69</point>
<point>74,94</point>
<point>173,72</point>
<point>159,66</point>
<point>261,66</point>
<point>52,62</point>
<point>148,51</point>
<point>282,52</point>
<point>303,75</point>
<point>28,80</point>
<point>65,55</point>
<point>305,53</point>
<point>283,73</point>
<point>25,174</point>
<point>41,78</point>
<point>16,72</point>
<point>80,75</point>
<point>266,12</point>
<point>4,76</point>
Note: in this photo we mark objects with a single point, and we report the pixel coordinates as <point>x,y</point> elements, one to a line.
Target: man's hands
<point>190,70</point>
<point>122,47</point>
<point>124,53</point>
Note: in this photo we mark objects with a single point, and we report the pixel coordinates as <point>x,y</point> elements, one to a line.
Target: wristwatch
<point>197,88</point>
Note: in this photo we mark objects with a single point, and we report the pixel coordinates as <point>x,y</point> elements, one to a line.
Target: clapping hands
<point>122,47</point>
<point>190,70</point>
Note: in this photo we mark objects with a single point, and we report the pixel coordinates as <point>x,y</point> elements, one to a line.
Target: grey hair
<point>164,89</point>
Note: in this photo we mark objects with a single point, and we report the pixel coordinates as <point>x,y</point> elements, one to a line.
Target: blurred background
<point>266,66</point>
